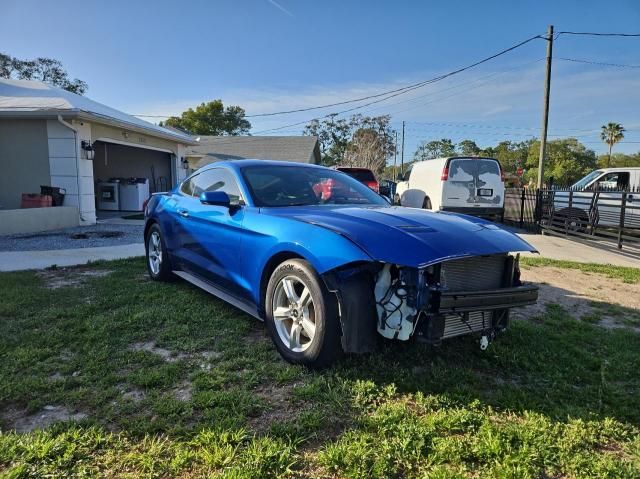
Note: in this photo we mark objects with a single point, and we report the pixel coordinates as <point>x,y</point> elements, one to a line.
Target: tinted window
<point>361,175</point>
<point>302,186</point>
<point>216,179</point>
<point>467,170</point>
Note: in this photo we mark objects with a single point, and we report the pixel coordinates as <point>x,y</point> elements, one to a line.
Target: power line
<point>453,87</point>
<point>596,34</point>
<point>403,89</point>
<point>590,62</point>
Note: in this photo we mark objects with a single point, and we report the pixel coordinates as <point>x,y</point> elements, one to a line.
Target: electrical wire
<point>596,34</point>
<point>386,94</point>
<point>590,62</point>
<point>403,89</point>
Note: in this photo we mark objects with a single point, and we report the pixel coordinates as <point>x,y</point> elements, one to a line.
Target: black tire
<point>325,346</point>
<point>426,204</point>
<point>396,200</point>
<point>573,220</point>
<point>163,272</point>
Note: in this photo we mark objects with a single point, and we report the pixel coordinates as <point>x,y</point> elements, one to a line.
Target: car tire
<point>396,200</point>
<point>426,204</point>
<point>573,220</point>
<point>302,315</point>
<point>158,262</point>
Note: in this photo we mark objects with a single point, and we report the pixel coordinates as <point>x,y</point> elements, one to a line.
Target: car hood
<point>409,236</point>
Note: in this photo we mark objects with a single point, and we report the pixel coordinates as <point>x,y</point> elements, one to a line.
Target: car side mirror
<point>216,198</point>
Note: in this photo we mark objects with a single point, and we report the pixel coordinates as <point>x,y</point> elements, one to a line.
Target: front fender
<point>271,236</point>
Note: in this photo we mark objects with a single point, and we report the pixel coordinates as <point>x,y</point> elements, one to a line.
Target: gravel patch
<point>71,238</point>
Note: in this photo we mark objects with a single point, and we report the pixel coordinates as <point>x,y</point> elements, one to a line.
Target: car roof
<point>240,164</point>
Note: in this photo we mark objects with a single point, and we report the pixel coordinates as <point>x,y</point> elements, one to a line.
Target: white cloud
<point>582,98</point>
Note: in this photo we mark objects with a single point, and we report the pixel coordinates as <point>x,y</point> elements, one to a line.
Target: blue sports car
<point>328,264</point>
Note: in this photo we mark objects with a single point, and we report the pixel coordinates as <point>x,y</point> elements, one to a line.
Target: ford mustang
<point>330,265</point>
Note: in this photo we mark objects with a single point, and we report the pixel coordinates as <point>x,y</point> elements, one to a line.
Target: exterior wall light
<point>88,149</point>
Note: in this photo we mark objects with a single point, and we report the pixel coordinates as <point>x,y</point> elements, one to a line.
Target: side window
<point>217,179</point>
<point>619,179</point>
<point>187,186</point>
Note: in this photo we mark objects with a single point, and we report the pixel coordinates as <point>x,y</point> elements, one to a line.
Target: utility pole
<point>545,111</point>
<point>402,155</point>
<point>395,157</point>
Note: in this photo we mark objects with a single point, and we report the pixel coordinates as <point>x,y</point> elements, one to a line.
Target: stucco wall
<point>32,220</point>
<point>23,159</point>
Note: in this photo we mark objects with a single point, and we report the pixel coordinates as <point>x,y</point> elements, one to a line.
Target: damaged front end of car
<point>454,297</point>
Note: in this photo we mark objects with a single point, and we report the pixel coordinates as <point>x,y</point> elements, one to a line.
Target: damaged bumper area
<point>463,296</point>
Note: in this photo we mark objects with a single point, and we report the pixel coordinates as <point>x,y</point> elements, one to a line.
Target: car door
<point>473,182</point>
<point>211,236</point>
<point>611,186</point>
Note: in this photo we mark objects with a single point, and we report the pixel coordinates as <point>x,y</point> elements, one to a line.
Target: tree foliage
<point>211,118</point>
<point>43,69</point>
<point>611,134</point>
<point>428,150</point>
<point>361,141</point>
<point>567,161</point>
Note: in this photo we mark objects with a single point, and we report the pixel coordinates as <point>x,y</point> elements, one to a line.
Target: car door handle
<point>184,213</point>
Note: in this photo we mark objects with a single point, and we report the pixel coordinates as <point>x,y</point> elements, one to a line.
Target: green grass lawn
<point>175,383</point>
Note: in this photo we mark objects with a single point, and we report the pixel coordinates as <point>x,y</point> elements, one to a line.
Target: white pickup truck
<point>610,184</point>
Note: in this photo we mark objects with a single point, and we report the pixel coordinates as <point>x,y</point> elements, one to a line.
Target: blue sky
<point>161,57</point>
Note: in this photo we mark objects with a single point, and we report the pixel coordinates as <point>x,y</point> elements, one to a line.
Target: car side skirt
<point>219,293</point>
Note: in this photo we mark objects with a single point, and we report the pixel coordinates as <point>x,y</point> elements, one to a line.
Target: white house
<point>51,137</point>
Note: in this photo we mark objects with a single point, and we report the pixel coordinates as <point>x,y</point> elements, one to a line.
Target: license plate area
<point>485,192</point>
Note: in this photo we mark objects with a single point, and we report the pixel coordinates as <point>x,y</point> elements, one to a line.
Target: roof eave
<point>87,116</point>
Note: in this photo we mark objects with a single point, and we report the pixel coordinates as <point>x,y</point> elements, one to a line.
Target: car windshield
<point>582,183</point>
<point>304,185</point>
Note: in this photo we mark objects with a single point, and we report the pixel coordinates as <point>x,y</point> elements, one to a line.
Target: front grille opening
<point>476,273</point>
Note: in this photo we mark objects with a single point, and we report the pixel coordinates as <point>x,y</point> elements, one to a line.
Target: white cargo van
<point>462,184</point>
<point>581,205</point>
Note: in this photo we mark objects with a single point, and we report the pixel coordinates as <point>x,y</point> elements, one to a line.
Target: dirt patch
<point>151,347</point>
<point>281,406</point>
<point>64,278</point>
<point>22,422</point>
<point>184,391</point>
<point>130,393</point>
<point>577,291</point>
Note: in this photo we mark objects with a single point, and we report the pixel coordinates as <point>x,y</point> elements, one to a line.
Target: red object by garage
<point>32,200</point>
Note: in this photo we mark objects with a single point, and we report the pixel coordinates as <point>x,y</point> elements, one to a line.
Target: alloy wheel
<point>155,252</point>
<point>294,313</point>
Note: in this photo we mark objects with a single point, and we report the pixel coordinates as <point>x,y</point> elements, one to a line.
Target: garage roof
<point>38,99</point>
<point>302,149</point>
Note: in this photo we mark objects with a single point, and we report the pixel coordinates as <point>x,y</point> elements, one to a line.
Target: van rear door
<point>473,182</point>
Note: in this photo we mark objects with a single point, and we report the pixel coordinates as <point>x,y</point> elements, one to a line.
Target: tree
<point>211,118</point>
<point>468,148</point>
<point>435,149</point>
<point>567,161</point>
<point>43,69</point>
<point>343,140</point>
<point>611,134</point>
<point>366,150</point>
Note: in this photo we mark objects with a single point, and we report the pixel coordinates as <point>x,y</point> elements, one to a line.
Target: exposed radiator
<point>455,326</point>
<point>473,274</point>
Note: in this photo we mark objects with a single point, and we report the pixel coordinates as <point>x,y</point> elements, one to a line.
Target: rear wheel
<point>302,316</point>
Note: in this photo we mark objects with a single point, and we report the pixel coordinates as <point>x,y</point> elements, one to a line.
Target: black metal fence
<point>605,215</point>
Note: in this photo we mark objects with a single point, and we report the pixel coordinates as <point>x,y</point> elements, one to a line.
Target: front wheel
<point>426,204</point>
<point>302,316</point>
<point>158,264</point>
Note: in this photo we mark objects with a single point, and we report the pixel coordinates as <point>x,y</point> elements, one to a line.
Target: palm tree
<point>611,134</point>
